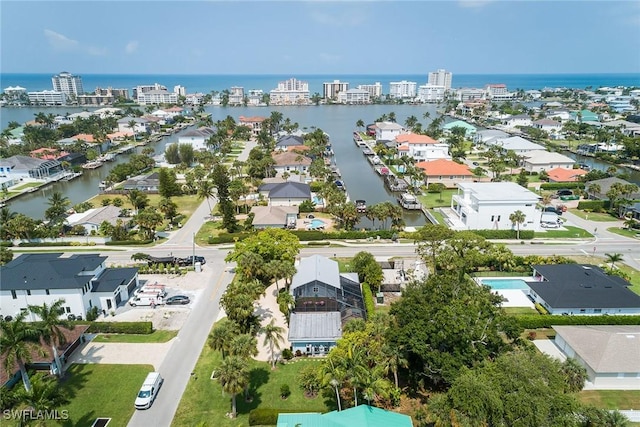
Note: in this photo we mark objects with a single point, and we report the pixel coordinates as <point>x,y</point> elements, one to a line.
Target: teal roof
<point>361,416</point>
<point>459,123</point>
<point>587,116</point>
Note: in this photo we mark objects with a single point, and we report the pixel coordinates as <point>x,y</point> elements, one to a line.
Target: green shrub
<point>268,416</point>
<point>533,321</point>
<point>36,244</point>
<point>121,327</point>
<point>561,185</point>
<point>287,354</point>
<point>6,244</point>
<point>128,242</point>
<point>504,234</point>
<point>368,300</point>
<point>594,205</point>
<point>285,391</point>
<point>307,206</point>
<point>92,313</point>
<point>307,235</point>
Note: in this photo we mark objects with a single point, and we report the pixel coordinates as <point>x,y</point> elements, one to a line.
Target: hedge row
<point>121,327</point>
<point>594,205</point>
<point>504,234</point>
<point>268,416</point>
<point>561,185</point>
<point>307,235</point>
<point>368,300</point>
<point>532,321</point>
<point>6,244</point>
<point>128,242</point>
<point>35,244</point>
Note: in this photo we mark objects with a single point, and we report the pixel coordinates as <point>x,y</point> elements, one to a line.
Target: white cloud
<point>59,41</point>
<point>131,47</point>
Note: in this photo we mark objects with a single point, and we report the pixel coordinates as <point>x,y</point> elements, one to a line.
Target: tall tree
<point>221,336</point>
<point>233,375</point>
<point>58,206</point>
<point>17,339</point>
<point>518,217</point>
<point>50,327</point>
<point>272,337</point>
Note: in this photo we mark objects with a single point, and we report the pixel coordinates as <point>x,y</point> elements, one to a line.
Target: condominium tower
<point>67,83</point>
<point>441,78</point>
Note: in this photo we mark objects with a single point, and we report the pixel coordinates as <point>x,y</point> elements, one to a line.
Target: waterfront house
<point>274,217</point>
<point>577,289</point>
<point>565,174</point>
<point>290,162</point>
<point>539,160</point>
<point>548,125</point>
<point>605,185</point>
<point>20,168</point>
<point>93,218</point>
<point>609,353</point>
<point>285,141</point>
<point>141,125</point>
<point>445,172</point>
<point>421,147</point>
<point>197,138</point>
<point>361,416</point>
<point>469,129</point>
<point>517,144</point>
<point>87,140</point>
<point>521,120</point>
<point>146,183</point>
<point>488,205</point>
<point>286,193</point>
<point>488,135</point>
<point>46,153</point>
<point>253,123</point>
<point>584,116</point>
<point>388,131</point>
<point>82,280</point>
<point>325,300</point>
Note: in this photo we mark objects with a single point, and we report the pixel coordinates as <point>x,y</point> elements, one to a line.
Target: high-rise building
<point>403,89</point>
<point>441,78</point>
<point>67,83</point>
<point>180,90</point>
<point>290,92</point>
<point>375,90</point>
<point>330,90</point>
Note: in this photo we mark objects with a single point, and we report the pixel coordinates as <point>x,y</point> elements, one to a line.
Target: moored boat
<point>409,202</point>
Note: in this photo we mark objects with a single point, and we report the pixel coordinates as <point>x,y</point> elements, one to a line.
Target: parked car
<point>177,299</point>
<point>149,390</point>
<point>186,261</point>
<point>565,192</point>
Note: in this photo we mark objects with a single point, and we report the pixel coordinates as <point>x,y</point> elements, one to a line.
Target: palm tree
<point>616,419</point>
<point>17,339</point>
<point>272,337</point>
<point>394,360</point>
<point>221,336</point>
<point>517,218</point>
<point>574,374</point>
<point>233,375</point>
<point>50,327</point>
<point>244,346</point>
<point>206,190</point>
<point>44,395</point>
<point>594,189</point>
<point>132,125</point>
<point>58,205</point>
<point>285,303</point>
<point>333,375</point>
<point>359,124</point>
<point>613,258</point>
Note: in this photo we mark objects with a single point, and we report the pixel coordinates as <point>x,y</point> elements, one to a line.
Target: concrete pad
<point>122,353</point>
<point>550,348</point>
<point>514,298</point>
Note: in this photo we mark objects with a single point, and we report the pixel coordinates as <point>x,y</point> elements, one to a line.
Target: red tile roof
<point>256,119</point>
<point>565,175</point>
<point>84,137</point>
<point>414,138</point>
<point>291,158</point>
<point>443,167</point>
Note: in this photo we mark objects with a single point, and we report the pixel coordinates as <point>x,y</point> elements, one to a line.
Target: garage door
<point>118,298</point>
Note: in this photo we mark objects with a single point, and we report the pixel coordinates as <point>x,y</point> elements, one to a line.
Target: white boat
<point>409,202</point>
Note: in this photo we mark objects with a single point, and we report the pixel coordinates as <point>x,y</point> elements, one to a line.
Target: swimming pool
<point>318,200</point>
<point>505,283</point>
<point>316,223</point>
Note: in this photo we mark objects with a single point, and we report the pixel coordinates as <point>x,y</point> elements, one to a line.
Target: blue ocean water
<point>206,83</point>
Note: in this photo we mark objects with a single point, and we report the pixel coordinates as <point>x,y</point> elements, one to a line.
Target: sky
<point>319,37</point>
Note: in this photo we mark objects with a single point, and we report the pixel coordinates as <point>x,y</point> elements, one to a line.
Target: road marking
<point>217,287</point>
<point>584,252</point>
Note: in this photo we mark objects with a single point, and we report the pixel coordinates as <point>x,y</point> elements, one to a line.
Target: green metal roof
<point>459,123</point>
<point>361,416</point>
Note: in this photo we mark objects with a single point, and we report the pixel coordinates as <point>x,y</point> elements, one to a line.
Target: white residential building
<point>517,144</point>
<point>539,160</point>
<point>140,126</point>
<point>47,97</point>
<point>354,96</point>
<point>236,95</point>
<point>180,90</point>
<point>469,94</point>
<point>431,93</point>
<point>290,92</point>
<point>331,90</point>
<point>403,89</point>
<point>388,131</point>
<point>255,97</point>
<point>146,88</point>
<point>498,92</point>
<point>15,92</point>
<point>197,138</point>
<point>68,84</point>
<point>488,205</point>
<point>440,78</point>
<point>375,90</point>
<point>421,147</point>
<point>548,125</point>
<point>517,120</point>
<point>154,97</point>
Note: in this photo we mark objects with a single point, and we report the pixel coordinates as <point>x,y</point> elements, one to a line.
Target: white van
<point>146,300</point>
<point>151,290</point>
<point>149,390</point>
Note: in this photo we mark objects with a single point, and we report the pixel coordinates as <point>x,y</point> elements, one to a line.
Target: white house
<point>489,135</point>
<point>488,205</point>
<point>517,120</point>
<point>388,131</point>
<point>539,160</point>
<point>93,218</point>
<point>421,147</point>
<point>197,138</point>
<point>290,162</point>
<point>82,280</point>
<point>548,125</point>
<point>610,354</point>
<point>517,144</point>
<point>140,126</point>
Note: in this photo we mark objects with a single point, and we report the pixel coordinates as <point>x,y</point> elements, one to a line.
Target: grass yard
<point>570,233</point>
<point>520,310</point>
<point>432,200</point>
<point>624,232</point>
<point>437,215</point>
<point>154,337</point>
<point>25,186</point>
<point>593,216</point>
<point>611,399</point>
<point>204,404</point>
<point>102,391</point>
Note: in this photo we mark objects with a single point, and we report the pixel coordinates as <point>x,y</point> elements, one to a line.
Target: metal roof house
<point>325,300</point>
<point>82,280</point>
<point>577,289</point>
<point>610,354</point>
<point>288,193</point>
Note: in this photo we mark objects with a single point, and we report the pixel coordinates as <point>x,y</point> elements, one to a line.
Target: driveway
<point>122,353</point>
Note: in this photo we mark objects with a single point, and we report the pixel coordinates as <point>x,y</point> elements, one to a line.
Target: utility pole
<point>193,258</point>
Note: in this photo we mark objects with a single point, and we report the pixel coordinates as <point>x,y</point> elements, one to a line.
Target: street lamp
<point>193,258</point>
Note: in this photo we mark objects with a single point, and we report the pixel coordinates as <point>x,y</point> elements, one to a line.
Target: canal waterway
<point>360,179</point>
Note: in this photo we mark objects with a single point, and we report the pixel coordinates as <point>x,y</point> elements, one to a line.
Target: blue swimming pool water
<point>318,200</point>
<point>317,223</point>
<point>505,283</point>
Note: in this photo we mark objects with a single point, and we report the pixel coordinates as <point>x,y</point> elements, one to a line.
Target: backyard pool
<point>318,200</point>
<point>505,283</point>
<point>316,224</point>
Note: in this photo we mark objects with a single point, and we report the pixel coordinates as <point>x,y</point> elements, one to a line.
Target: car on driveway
<point>189,260</point>
<point>177,300</point>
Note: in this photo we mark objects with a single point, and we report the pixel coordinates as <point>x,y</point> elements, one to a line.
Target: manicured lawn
<point>520,310</point>
<point>611,399</point>
<point>102,391</point>
<point>437,215</point>
<point>624,232</point>
<point>155,336</point>
<point>634,277</point>
<point>203,400</point>
<point>432,200</point>
<point>25,186</point>
<point>593,216</point>
<point>570,233</point>
<point>209,228</point>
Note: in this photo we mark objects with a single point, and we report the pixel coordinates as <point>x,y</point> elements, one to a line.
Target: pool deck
<point>514,298</point>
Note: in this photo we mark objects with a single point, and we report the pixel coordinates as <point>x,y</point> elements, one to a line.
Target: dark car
<point>565,192</point>
<point>189,260</point>
<point>177,299</point>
